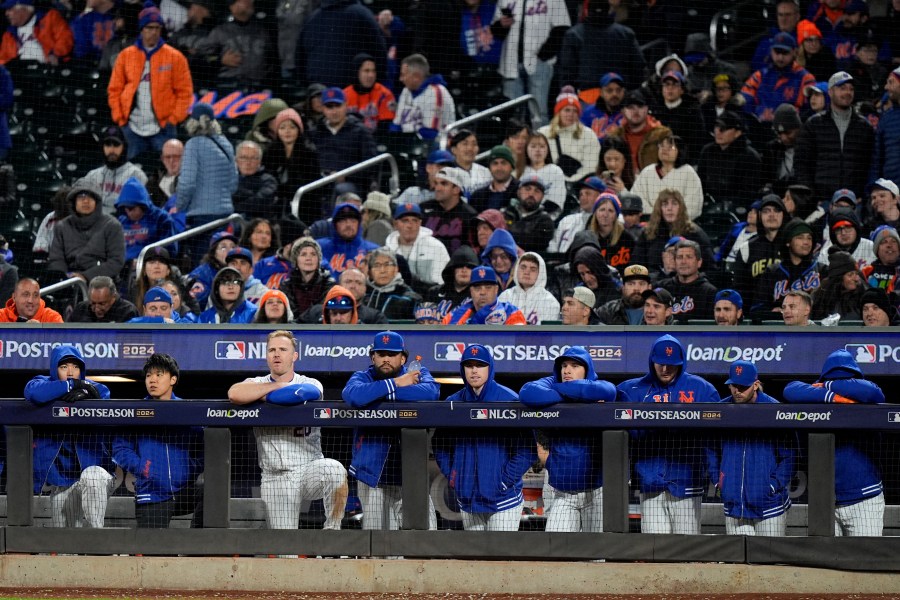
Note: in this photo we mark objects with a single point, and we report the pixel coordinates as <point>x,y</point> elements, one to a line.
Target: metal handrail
<point>71,282</point>
<point>533,107</point>
<point>139,266</point>
<point>393,183</point>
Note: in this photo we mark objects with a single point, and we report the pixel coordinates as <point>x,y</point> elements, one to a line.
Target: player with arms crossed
<point>293,466</point>
<point>859,499</point>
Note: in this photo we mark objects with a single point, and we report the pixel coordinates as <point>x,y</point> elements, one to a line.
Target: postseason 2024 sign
<point>523,350</point>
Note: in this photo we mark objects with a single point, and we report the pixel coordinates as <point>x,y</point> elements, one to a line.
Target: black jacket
<point>532,232</point>
<point>685,121</point>
<point>120,312</point>
<point>648,252</point>
<point>734,173</point>
<point>595,47</point>
<point>824,165</point>
<point>693,300</point>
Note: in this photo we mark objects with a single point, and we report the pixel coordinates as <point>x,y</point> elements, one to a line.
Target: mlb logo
<point>231,350</point>
<point>478,413</point>
<point>863,353</point>
<point>322,413</point>
<point>449,351</point>
<point>894,417</point>
<point>61,411</point>
<point>624,413</point>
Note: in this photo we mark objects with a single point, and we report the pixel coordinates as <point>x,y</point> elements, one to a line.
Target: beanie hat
<point>280,296</point>
<point>879,298</point>
<point>378,202</point>
<point>303,243</point>
<point>150,14</point>
<point>881,234</point>
<point>794,228</point>
<point>157,294</point>
<point>202,109</point>
<point>807,29</point>
<point>288,114</point>
<point>839,263</point>
<point>786,118</point>
<point>567,97</point>
<point>611,198</point>
<point>503,152</point>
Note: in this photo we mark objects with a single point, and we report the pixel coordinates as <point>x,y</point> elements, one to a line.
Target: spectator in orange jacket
<point>149,114</point>
<point>26,305</point>
<point>47,37</point>
<point>372,102</point>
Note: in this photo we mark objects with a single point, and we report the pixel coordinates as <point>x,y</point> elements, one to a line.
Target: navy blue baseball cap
<point>340,303</point>
<point>610,78</point>
<point>482,274</point>
<point>440,157</point>
<point>388,341</point>
<point>476,352</point>
<point>407,208</point>
<point>593,182</point>
<point>239,252</point>
<point>333,95</point>
<point>672,241</point>
<point>743,373</point>
<point>784,41</point>
<point>732,296</point>
<point>221,235</point>
<point>157,294</point>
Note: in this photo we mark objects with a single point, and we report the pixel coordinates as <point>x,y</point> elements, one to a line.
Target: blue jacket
<point>243,312</point>
<point>341,254</point>
<point>376,451</point>
<point>575,460</point>
<point>886,155</point>
<point>61,456</point>
<point>753,471</point>
<point>856,475</point>
<point>484,467</point>
<point>272,270</point>
<point>92,30</point>
<point>668,460</point>
<point>163,461</point>
<point>155,225</point>
<point>208,177</point>
<point>202,282</point>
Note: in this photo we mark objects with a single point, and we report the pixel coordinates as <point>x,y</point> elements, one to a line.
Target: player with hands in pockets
<point>75,467</point>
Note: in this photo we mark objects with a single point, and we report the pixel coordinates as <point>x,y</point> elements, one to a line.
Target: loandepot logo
<point>812,417</point>
<point>733,353</point>
<point>231,413</point>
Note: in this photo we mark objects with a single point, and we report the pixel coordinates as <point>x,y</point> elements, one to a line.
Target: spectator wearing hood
<point>780,155</point>
<point>842,288</point>
<point>501,253</point>
<point>669,465</point>
<point>845,233</point>
<point>753,258</point>
<point>425,255</point>
<point>368,99</point>
<point>729,168</point>
<point>876,309</point>
<point>859,496</point>
<point>594,272</point>
<point>387,291</point>
<point>455,287</point>
<point>111,177</point>
<point>597,46</point>
<point>796,271</point>
<point>201,278</point>
<point>574,461</point>
<point>485,224</point>
<point>680,112</point>
<point>264,130</point>
<point>529,224</point>
<point>346,246</point>
<point>484,468</point>
<point>352,282</point>
<point>88,242</point>
<point>722,95</point>
<point>227,299</point>
<point>483,306</point>
<point>241,259</point>
<point>142,222</point>
<point>884,272</point>
<point>308,281</point>
<point>274,308</point>
<point>693,295</point>
<point>529,291</point>
<point>376,218</point>
<point>703,66</point>
<point>339,307</point>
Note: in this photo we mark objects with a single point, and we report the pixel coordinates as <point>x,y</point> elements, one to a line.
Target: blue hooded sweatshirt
<point>504,240</point>
<point>484,467</point>
<point>668,460</point>
<point>153,226</point>
<point>575,460</point>
<point>163,461</point>
<point>856,476</point>
<point>338,252</point>
<point>376,451</point>
<point>753,470</point>
<point>61,456</point>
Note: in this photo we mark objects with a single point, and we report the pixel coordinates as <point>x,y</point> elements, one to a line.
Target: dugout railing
<point>820,548</point>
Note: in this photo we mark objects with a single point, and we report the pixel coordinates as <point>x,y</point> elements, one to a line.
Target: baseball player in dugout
<point>669,463</point>
<point>859,499</point>
<point>376,452</point>
<point>574,462</point>
<point>293,466</point>
<point>752,470</point>
<point>75,467</point>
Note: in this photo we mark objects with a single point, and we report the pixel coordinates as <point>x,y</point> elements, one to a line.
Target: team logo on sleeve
<point>231,350</point>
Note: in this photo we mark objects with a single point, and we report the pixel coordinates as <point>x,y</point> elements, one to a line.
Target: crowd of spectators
<point>611,204</point>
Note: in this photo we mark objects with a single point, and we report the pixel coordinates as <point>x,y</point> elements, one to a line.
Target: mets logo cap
<point>476,352</point>
<point>742,372</point>
<point>388,341</point>
<point>483,274</point>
